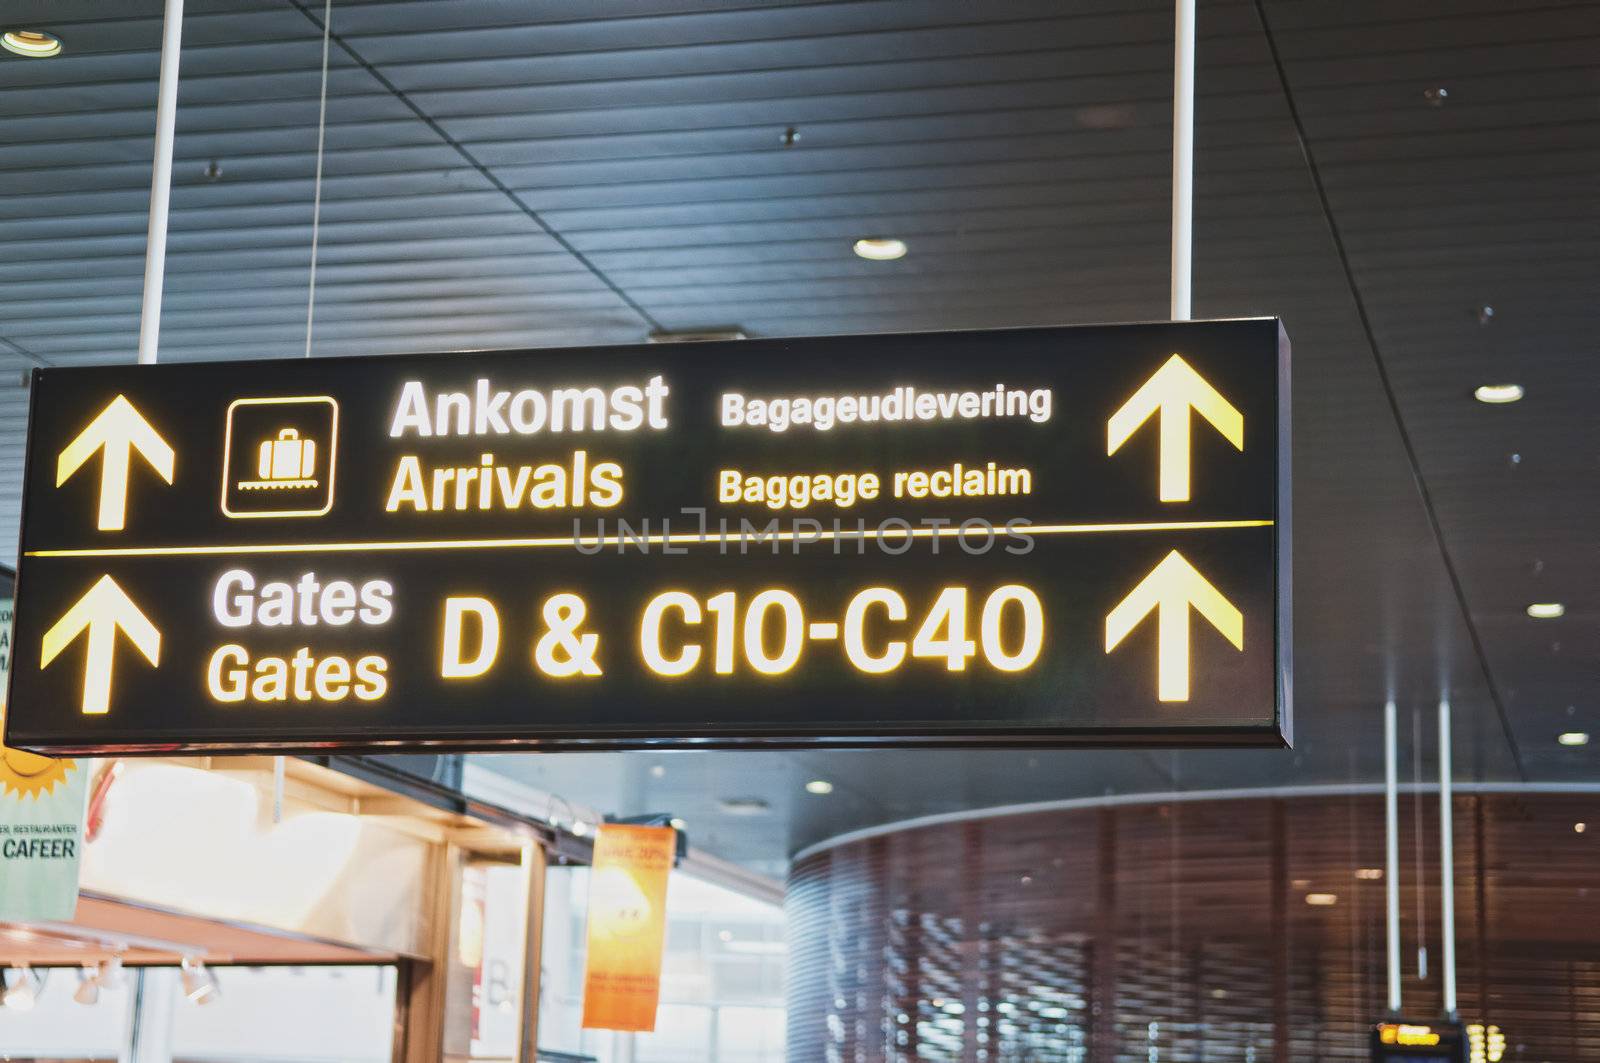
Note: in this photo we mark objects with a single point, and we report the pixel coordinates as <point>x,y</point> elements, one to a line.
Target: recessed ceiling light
<point>1580,827</point>
<point>1498,394</point>
<point>1369,874</point>
<point>880,248</point>
<point>1573,738</point>
<point>819,786</point>
<point>1547,610</point>
<point>31,43</point>
<point>1322,900</point>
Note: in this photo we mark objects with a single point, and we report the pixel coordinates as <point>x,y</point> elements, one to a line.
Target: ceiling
<point>549,172</point>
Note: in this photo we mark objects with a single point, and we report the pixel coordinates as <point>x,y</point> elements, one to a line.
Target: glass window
<point>721,977</point>
<point>287,1015</point>
<point>60,1027</point>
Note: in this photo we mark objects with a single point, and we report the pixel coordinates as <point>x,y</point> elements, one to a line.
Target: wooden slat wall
<point>979,940</point>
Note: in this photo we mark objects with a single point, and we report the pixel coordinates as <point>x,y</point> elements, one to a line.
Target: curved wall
<point>1248,929</point>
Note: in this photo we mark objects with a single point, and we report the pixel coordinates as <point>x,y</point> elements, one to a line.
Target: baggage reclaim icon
<point>279,455</point>
<point>286,462</point>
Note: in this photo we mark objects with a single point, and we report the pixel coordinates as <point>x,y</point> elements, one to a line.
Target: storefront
<point>219,900</point>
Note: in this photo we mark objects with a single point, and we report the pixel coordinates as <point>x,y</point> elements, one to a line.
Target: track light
<point>22,994</point>
<point>199,984</point>
<point>110,973</point>
<point>107,974</point>
<point>88,991</point>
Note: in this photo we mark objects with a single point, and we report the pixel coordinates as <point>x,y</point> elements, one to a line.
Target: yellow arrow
<point>1173,391</point>
<point>101,612</point>
<point>118,430</point>
<point>1170,589</point>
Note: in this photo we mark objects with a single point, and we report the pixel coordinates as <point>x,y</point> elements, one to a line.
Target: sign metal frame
<point>1142,418</point>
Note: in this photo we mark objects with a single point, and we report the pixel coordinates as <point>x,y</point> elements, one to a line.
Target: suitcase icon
<point>288,457</point>
<point>279,456</point>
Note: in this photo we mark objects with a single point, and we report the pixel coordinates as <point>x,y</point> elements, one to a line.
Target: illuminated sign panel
<point>1442,1042</point>
<point>1072,535</point>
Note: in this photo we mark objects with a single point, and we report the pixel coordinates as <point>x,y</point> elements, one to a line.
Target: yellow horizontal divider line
<point>651,540</point>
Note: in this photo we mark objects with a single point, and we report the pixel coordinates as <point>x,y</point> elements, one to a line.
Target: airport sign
<point>1046,536</point>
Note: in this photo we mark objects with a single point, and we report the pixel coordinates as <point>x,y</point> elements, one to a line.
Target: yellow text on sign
<point>117,432</point>
<point>102,612</point>
<point>1404,1033</point>
<point>1169,395</point>
<point>470,638</point>
<point>769,633</point>
<point>1169,591</point>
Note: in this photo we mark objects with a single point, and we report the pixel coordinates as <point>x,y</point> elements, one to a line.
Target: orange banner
<point>627,926</point>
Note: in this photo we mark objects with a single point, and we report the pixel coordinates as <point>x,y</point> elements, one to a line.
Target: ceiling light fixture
<point>880,248</point>
<point>1580,827</point>
<point>1322,900</point>
<point>819,786</point>
<point>1573,738</point>
<point>88,991</point>
<point>1547,610</point>
<point>111,976</point>
<point>199,984</point>
<point>31,44</point>
<point>1369,874</point>
<point>24,993</point>
<point>1498,394</point>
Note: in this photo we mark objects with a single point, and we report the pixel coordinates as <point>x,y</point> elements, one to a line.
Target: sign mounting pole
<point>155,250</point>
<point>1391,871</point>
<point>1182,159</point>
<point>1447,860</point>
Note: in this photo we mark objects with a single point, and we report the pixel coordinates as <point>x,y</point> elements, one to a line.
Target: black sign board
<point>1061,536</point>
<point>1408,1041</point>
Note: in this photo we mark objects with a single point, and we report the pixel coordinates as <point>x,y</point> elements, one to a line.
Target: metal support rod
<point>1391,830</point>
<point>1447,862</point>
<point>316,193</point>
<point>1182,159</point>
<point>155,247</point>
